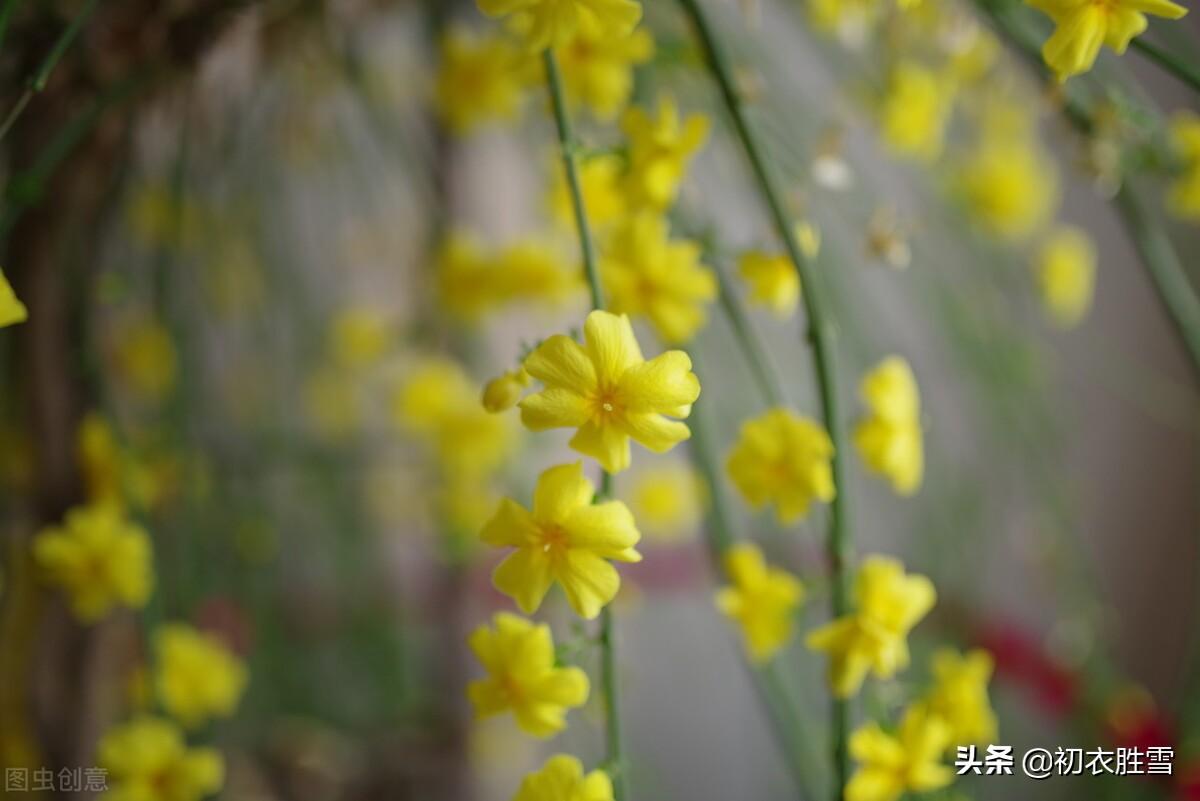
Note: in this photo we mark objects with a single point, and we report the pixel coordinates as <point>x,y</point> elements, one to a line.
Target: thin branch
<point>1183,70</point>
<point>820,337</point>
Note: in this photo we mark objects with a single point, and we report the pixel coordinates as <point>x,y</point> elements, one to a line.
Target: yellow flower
<point>603,195</point>
<point>1066,275</point>
<point>960,696</point>
<point>145,358</point>
<point>12,311</point>
<point>597,68</point>
<point>565,538</point>
<point>1183,198</point>
<point>873,636</point>
<point>100,460</point>
<point>763,600</point>
<point>99,558</point>
<point>667,500</point>
<point>915,111</point>
<point>440,404</point>
<point>1082,26</point>
<point>480,78</point>
<point>773,281</point>
<point>472,283</point>
<point>552,23</point>
<point>784,459</point>
<point>503,391</point>
<point>358,337</point>
<point>648,274</point>
<point>660,148</point>
<point>889,438</point>
<point>908,761</point>
<point>519,658</point>
<point>608,391</point>
<point>1008,185</point>
<point>148,760</point>
<point>562,779</point>
<point>198,677</point>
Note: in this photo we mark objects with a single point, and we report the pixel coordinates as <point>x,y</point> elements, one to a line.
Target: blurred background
<point>235,227</point>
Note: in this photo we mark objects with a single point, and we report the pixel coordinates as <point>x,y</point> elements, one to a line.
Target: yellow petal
<point>511,525</point>
<point>554,408</point>
<point>606,529</point>
<point>560,491</point>
<point>611,345</point>
<point>525,577</point>
<point>654,431</point>
<point>561,362</point>
<point>662,384</point>
<point>589,582</point>
<point>607,444</point>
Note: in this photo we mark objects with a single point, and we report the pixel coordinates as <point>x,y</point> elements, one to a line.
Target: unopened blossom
<point>889,437</point>
<point>480,78</point>
<point>198,678</point>
<point>960,696</point>
<point>648,274</point>
<point>1066,275</point>
<point>783,459</point>
<point>552,23</point>
<point>12,310</point>
<point>609,392</point>
<point>562,779</point>
<point>566,539</point>
<point>597,68</point>
<point>502,392</point>
<point>908,761</point>
<point>1183,196</point>
<point>518,656</point>
<point>147,759</point>
<point>762,600</point>
<point>915,110</point>
<point>872,638</point>
<point>1083,26</point>
<point>99,558</point>
<point>661,145</point>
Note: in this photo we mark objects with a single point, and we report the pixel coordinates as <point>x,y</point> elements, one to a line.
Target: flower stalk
<point>820,338</point>
<point>614,757</point>
<point>1183,71</point>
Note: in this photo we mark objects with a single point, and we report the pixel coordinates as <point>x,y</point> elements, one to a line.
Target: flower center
<point>554,541</point>
<point>606,403</point>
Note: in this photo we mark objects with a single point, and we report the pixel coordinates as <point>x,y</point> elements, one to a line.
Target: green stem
<point>820,335</point>
<point>1185,71</point>
<point>607,637</point>
<point>751,344</point>
<point>38,82</point>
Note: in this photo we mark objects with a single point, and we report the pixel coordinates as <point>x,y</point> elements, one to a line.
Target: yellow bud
<point>503,392</point>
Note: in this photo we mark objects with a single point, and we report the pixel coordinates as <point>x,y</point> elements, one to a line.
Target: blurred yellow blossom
<point>889,438</point>
<point>1183,197</point>
<point>535,270</point>
<point>358,336</point>
<point>145,358</point>
<point>464,277</point>
<point>908,761</point>
<point>472,283</point>
<point>148,760</point>
<point>99,558</point>
<point>565,538</point>
<point>600,180</point>
<point>438,402</point>
<point>100,460</point>
<point>660,148</point>
<point>608,391</point>
<point>12,310</point>
<point>518,656</point>
<point>646,273</point>
<point>783,458</point>
<point>1083,26</point>
<point>915,110</point>
<point>1008,185</point>
<point>873,637</point>
<point>161,217</point>
<point>762,600</point>
<point>480,78</point>
<point>198,677</point>
<point>502,392</point>
<point>562,779</point>
<point>848,20</point>
<point>552,23</point>
<point>1066,275</point>
<point>597,68</point>
<point>774,282</point>
<point>331,402</point>
<point>960,696</point>
<point>667,500</point>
